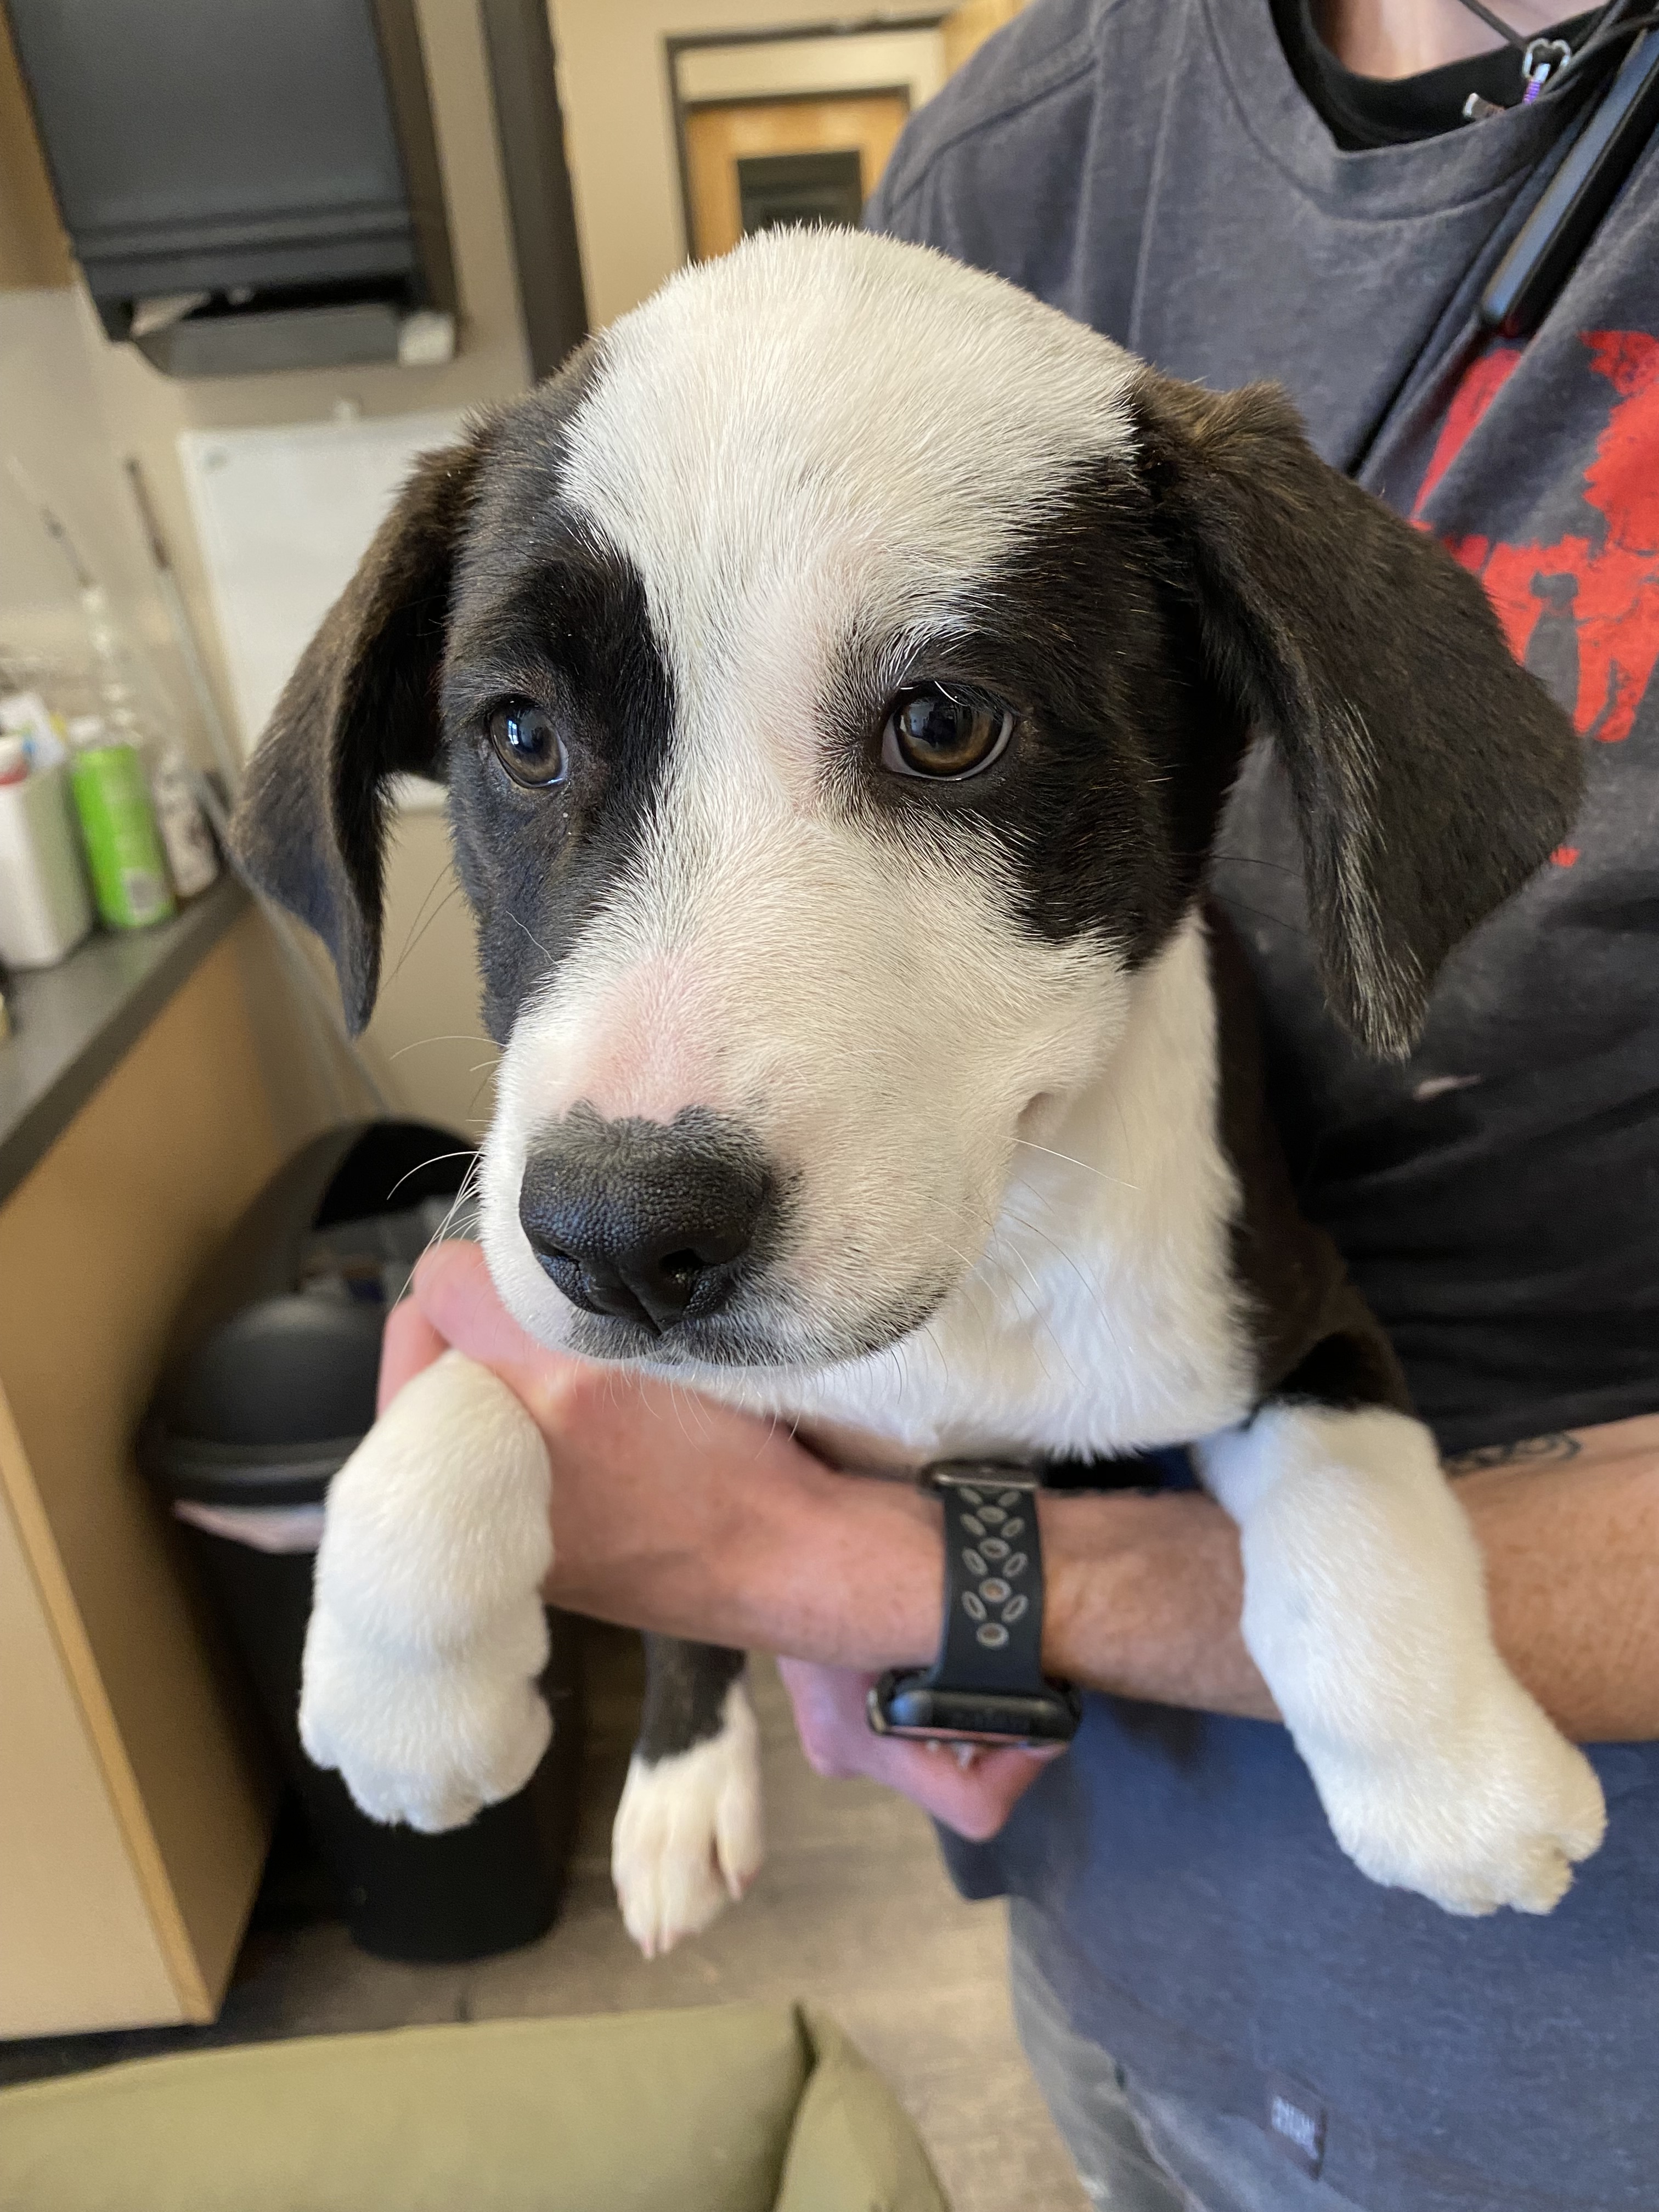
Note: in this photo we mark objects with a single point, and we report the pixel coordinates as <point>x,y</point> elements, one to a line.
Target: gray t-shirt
<point>1152,167</point>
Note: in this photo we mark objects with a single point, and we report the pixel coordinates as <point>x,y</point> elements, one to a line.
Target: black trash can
<point>268,1388</point>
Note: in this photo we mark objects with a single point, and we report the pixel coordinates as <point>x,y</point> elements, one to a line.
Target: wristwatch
<point>987,1685</point>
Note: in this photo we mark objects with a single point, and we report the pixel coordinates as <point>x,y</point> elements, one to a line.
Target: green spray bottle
<point>117,827</point>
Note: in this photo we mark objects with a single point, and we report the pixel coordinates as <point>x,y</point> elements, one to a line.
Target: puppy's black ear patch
<point>361,707</point>
<point>1430,775</point>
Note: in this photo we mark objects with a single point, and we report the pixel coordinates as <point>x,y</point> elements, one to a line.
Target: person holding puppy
<point>1240,190</point>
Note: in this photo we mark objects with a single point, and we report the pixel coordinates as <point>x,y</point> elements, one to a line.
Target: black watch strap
<point>986,1684</point>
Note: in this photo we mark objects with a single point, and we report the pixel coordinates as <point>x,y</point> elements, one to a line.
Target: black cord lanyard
<point>1553,63</point>
<point>1601,146</point>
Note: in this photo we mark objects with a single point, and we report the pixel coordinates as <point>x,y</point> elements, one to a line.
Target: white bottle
<point>45,906</point>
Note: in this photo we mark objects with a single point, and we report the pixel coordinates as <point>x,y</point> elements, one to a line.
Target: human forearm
<point>1569,1529</point>
<point>1144,1593</point>
<point>1147,1592</point>
<point>792,1559</point>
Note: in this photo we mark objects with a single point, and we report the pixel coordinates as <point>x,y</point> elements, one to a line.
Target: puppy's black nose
<point>647,1221</point>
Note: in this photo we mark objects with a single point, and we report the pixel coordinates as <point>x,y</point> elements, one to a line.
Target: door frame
<point>690,108</point>
<point>862,27</point>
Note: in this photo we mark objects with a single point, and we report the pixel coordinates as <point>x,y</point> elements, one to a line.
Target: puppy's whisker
<point>464,1196</point>
<point>699,1406</point>
<point>436,1160</point>
<point>467,1190</point>
<point>674,1394</point>
<point>1276,921</point>
<point>1038,1316</point>
<point>1235,859</point>
<point>420,910</point>
<point>1092,1288</point>
<point>1087,1167</point>
<point>972,1278</point>
<point>418,927</point>
<point>531,935</point>
<point>771,1431</point>
<point>462,1038</point>
<point>419,933</point>
<point>896,1353</point>
<point>1123,1129</point>
<point>1028,1289</point>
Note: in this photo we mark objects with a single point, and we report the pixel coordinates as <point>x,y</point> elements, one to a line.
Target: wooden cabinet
<point>134,1815</point>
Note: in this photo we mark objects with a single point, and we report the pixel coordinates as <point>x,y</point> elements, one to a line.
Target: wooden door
<point>759,152</point>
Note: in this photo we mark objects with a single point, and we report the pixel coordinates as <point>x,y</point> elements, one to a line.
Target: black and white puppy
<point>838,671</point>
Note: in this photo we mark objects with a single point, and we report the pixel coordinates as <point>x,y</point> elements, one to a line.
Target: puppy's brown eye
<point>928,732</point>
<point>528,742</point>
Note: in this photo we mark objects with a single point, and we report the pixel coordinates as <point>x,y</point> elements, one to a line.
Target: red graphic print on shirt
<point>1582,614</point>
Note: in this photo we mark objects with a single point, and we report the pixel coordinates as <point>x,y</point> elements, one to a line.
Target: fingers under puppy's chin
<point>976,1825</point>
<point>442,1268</point>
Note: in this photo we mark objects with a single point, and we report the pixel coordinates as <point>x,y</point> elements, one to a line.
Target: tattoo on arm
<point>1531,1451</point>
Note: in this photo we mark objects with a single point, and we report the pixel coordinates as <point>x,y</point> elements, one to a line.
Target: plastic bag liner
<point>276,1528</point>
<point>268,1388</point>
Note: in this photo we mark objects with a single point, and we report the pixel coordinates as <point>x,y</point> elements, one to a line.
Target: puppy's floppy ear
<point>361,707</point>
<point>1431,775</point>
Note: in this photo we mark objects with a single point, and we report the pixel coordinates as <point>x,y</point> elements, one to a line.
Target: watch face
<point>902,1706</point>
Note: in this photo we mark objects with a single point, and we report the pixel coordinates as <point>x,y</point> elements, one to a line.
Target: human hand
<point>968,1787</point>
<point>408,1344</point>
<point>678,1514</point>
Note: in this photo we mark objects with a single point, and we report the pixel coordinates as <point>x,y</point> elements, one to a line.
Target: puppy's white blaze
<point>877,1016</point>
<point>641,1046</point>
<point>728,380</point>
<point>1365,1609</point>
<point>687,1836</point>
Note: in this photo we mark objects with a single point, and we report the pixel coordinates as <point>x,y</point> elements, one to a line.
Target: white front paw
<point>1365,1610</point>
<point>427,1739</point>
<point>687,1836</point>
<point>1497,1812</point>
<point>427,1629</point>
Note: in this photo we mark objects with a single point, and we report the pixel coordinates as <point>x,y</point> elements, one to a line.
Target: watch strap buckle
<point>986,1684</point>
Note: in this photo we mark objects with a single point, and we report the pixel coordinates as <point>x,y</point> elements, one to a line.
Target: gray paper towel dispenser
<point>246,184</point>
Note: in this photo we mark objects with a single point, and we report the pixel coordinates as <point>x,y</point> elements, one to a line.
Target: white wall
<point>52,422</point>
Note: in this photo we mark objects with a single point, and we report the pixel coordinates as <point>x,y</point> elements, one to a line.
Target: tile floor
<point>853,1910</point>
